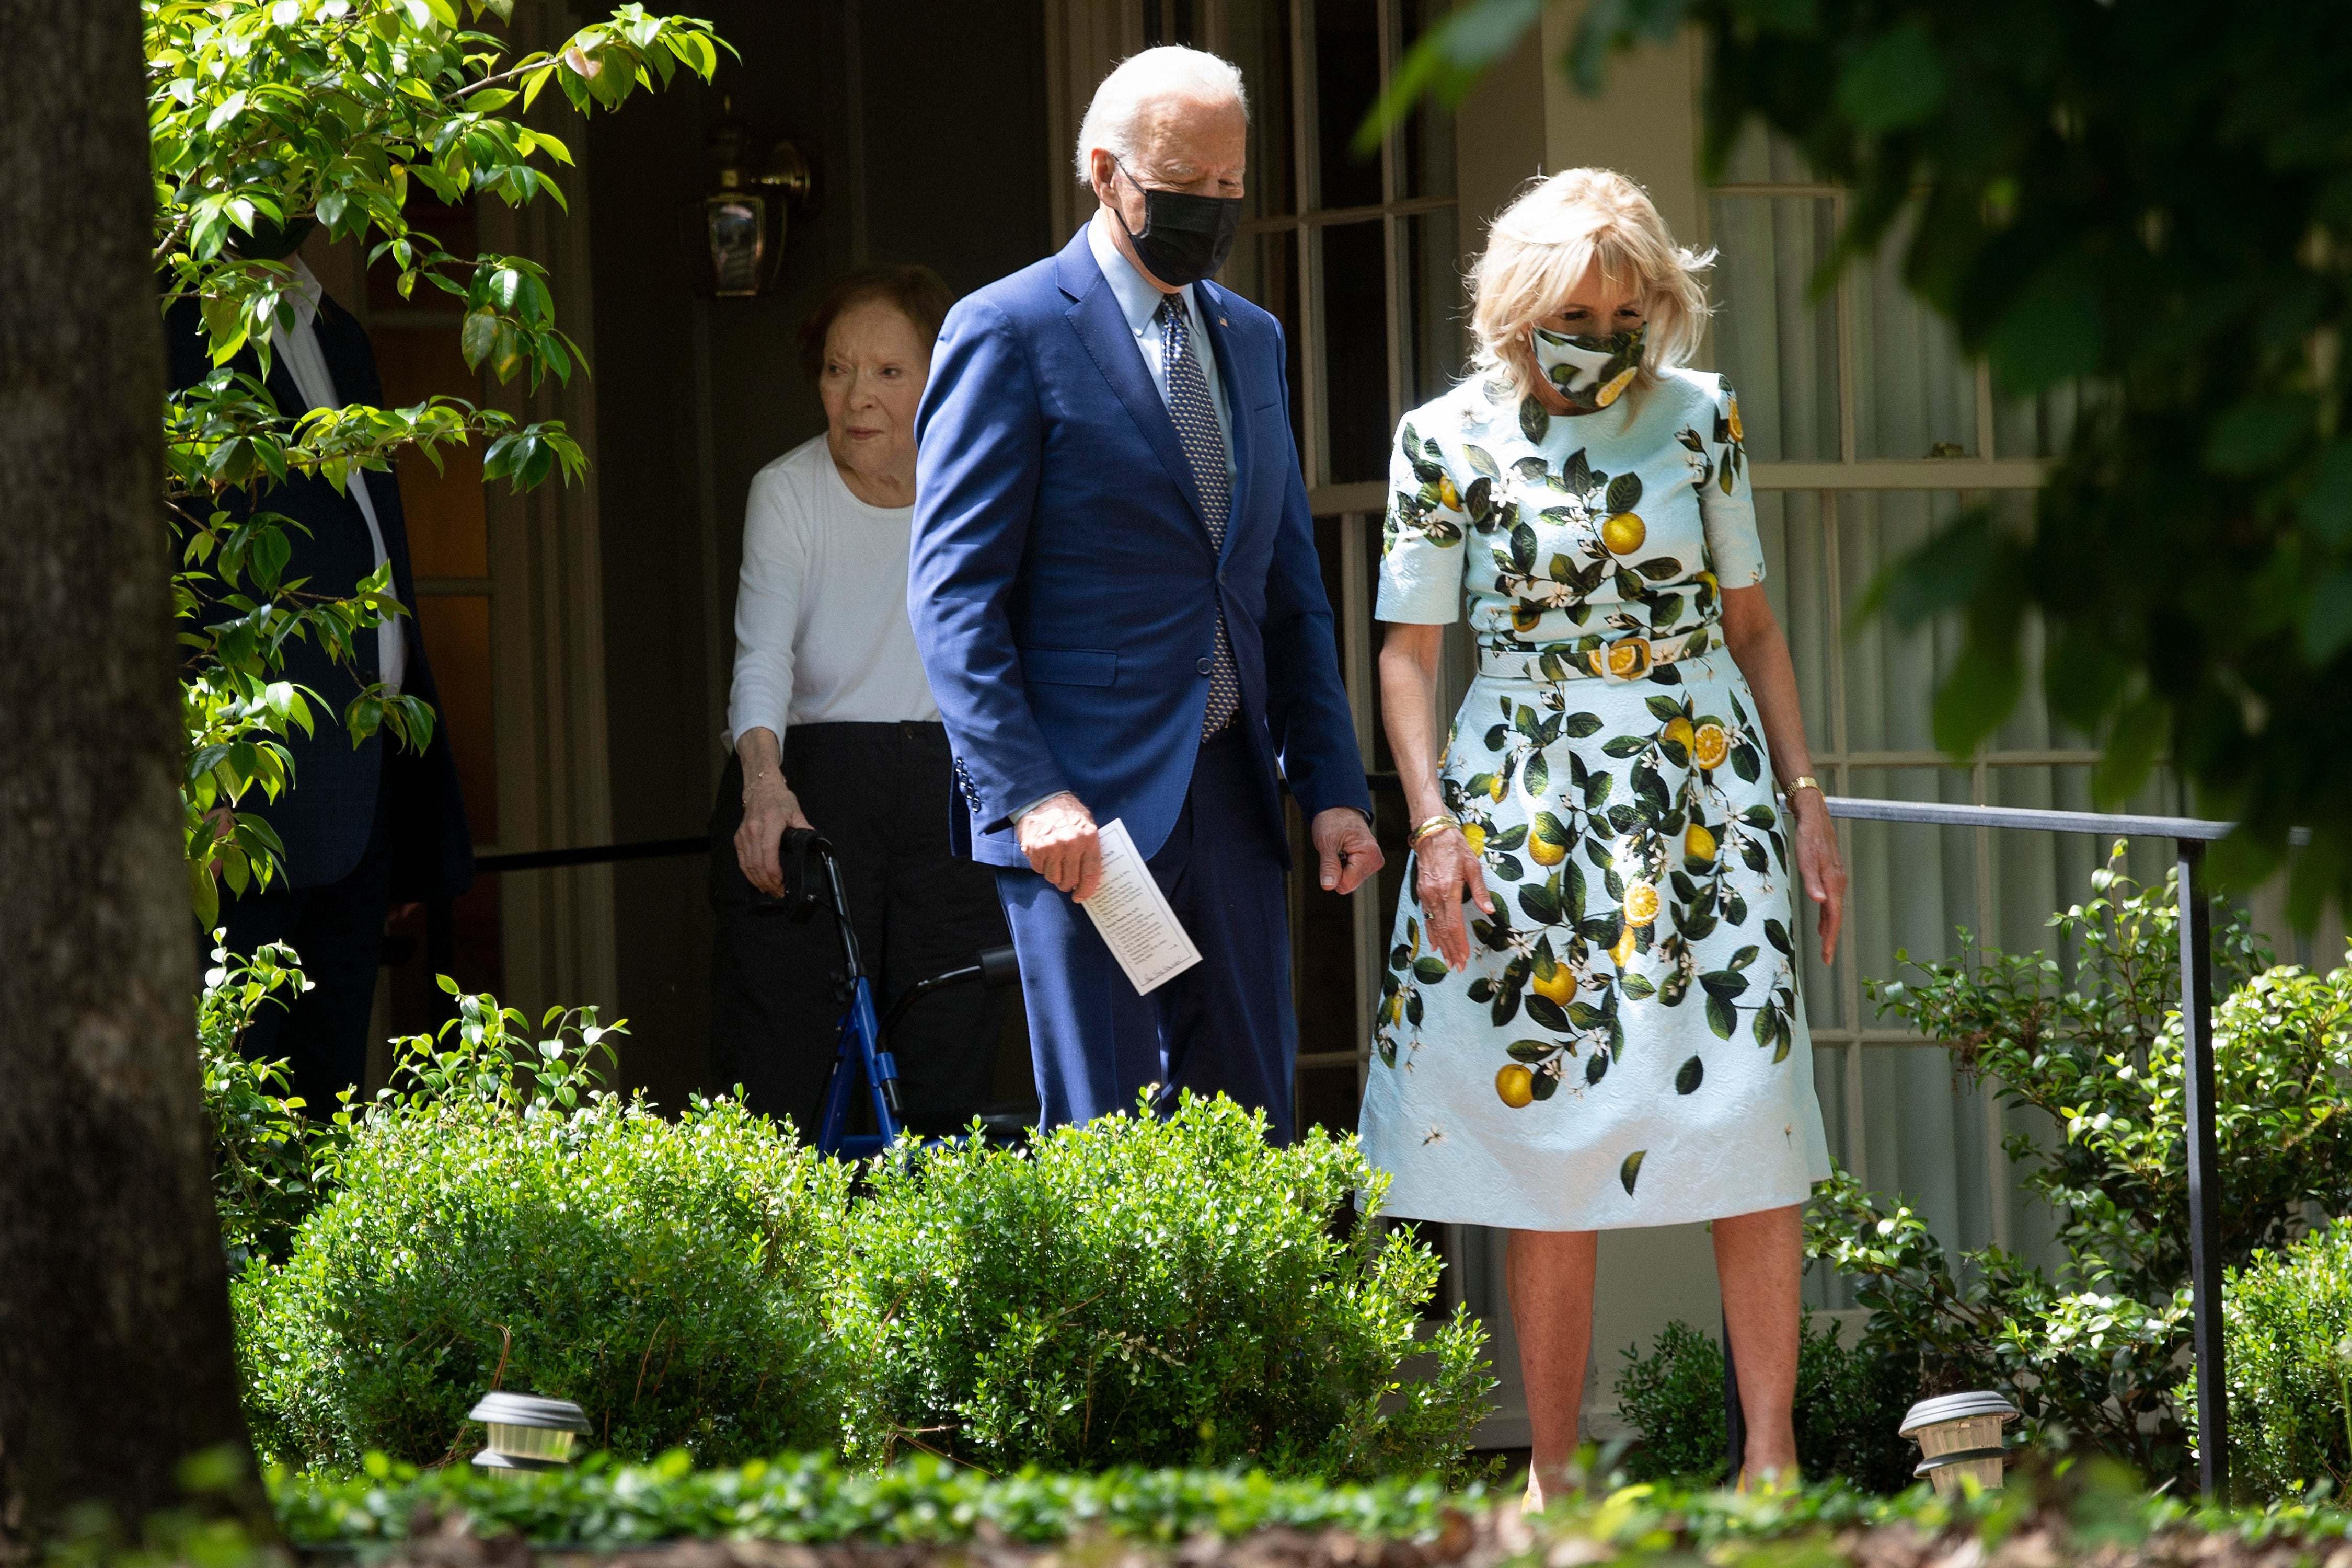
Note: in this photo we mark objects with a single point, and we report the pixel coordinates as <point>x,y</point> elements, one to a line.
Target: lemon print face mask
<point>1591,372</point>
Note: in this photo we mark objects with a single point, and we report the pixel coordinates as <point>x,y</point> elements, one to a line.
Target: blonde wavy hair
<point>1538,249</point>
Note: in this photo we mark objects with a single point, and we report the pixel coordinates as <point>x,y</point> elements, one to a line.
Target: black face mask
<point>1185,238</point>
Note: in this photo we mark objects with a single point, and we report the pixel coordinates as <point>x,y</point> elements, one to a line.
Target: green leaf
<point>1631,1171</point>
<point>1937,577</point>
<point>1533,1050</point>
<point>1897,80</point>
<point>2326,507</point>
<point>2145,724</point>
<point>1721,1017</point>
<point>1688,1076</point>
<point>2053,332</point>
<point>2258,433</point>
<point>1976,696</point>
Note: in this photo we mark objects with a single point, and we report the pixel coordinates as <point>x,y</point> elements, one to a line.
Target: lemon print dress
<point>1627,1046</point>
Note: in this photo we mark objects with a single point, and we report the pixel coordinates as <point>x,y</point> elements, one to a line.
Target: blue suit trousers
<point>1226,1024</point>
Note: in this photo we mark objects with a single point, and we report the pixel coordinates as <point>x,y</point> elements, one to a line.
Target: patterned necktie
<point>1204,448</point>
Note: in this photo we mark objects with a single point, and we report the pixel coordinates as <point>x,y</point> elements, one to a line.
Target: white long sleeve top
<point>821,629</point>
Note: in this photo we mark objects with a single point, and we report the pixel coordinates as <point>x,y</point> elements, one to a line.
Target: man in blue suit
<point>364,827</point>
<point>1115,588</point>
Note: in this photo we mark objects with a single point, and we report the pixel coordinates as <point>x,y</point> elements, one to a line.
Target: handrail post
<point>2205,1194</point>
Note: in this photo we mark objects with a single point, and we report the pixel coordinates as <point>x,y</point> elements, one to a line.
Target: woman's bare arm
<point>1444,870</point>
<point>1753,633</point>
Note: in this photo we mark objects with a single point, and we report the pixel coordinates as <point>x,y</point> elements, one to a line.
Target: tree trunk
<point>116,1359</point>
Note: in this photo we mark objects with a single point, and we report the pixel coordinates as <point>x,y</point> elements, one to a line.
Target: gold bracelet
<point>1803,781</point>
<point>1441,820</point>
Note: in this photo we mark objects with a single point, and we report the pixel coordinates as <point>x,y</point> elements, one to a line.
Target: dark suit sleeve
<point>979,437</point>
<point>1307,705</point>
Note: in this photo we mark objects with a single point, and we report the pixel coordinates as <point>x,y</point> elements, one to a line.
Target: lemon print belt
<point>1626,660</point>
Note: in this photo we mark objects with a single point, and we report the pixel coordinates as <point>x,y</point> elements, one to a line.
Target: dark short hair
<point>921,295</point>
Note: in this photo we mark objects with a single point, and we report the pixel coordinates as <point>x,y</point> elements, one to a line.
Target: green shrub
<point>1850,1401</point>
<point>2095,1353</point>
<point>1148,1291</point>
<point>270,1155</point>
<point>2287,1363</point>
<point>499,1222</point>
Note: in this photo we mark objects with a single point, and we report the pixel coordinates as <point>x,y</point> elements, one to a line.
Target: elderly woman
<point>1591,1017</point>
<point>833,727</point>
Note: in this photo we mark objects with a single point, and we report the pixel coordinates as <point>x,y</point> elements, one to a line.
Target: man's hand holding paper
<point>1060,837</point>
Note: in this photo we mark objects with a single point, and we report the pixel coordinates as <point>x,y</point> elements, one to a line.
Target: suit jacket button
<point>1202,665</point>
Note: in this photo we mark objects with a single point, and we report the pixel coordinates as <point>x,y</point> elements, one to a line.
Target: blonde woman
<point>1590,1016</point>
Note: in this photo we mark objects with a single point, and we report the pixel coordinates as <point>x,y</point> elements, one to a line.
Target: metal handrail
<point>2190,835</point>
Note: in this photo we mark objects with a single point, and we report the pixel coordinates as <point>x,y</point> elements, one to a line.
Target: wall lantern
<point>1959,1438</point>
<point>527,1433</point>
<point>733,235</point>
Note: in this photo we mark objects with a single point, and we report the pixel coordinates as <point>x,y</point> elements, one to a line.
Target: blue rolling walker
<point>861,1051</point>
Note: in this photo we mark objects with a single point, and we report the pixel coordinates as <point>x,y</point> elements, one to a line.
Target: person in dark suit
<point>1114,585</point>
<point>365,828</point>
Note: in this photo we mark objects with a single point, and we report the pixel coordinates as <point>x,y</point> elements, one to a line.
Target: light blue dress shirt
<point>1138,301</point>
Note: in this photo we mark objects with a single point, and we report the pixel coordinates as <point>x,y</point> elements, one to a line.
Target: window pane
<point>2038,426</point>
<point>1915,391</point>
<point>1425,141</point>
<point>1797,581</point>
<point>1760,158</point>
<point>1327,1096</point>
<point>1347,84</point>
<point>1429,286</point>
<point>1777,346</point>
<point>1263,270</point>
<point>1354,326</point>
<point>1890,674</point>
<point>1257,38</point>
<point>1910,885</point>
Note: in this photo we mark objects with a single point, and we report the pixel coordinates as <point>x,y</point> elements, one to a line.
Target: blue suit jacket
<point>1063,585</point>
<point>326,819</point>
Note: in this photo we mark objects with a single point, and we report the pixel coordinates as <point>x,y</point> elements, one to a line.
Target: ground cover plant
<point>1849,1408</point>
<point>2097,1349</point>
<point>498,1221</point>
<point>2053,1512</point>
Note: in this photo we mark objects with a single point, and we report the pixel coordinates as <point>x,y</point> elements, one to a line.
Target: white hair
<point>1135,82</point>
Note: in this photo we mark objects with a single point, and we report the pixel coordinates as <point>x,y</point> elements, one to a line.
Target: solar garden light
<point>527,1433</point>
<point>1959,1438</point>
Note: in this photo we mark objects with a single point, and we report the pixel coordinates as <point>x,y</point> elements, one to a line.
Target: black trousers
<point>880,794</point>
<point>337,933</point>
